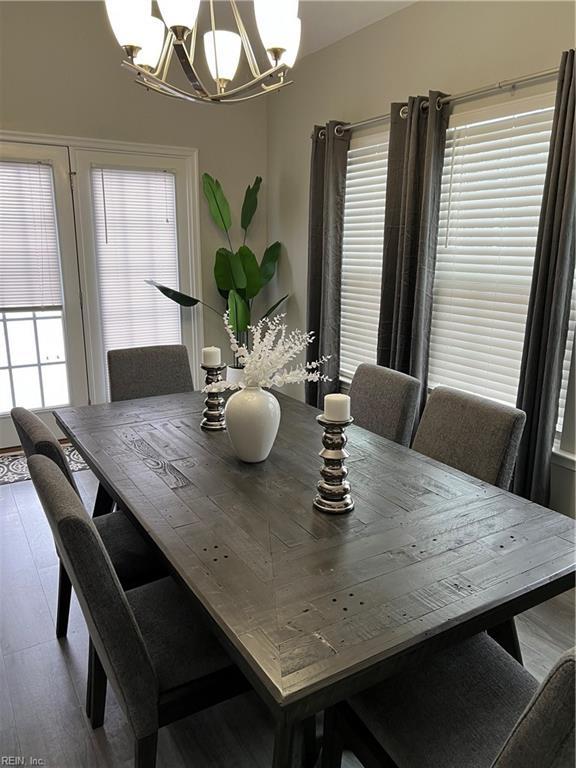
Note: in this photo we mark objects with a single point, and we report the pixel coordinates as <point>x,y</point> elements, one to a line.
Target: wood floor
<point>42,680</point>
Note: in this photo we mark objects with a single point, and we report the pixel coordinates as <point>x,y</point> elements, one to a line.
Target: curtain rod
<point>486,90</point>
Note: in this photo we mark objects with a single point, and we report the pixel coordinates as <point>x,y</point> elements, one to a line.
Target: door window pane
<point>50,340</point>
<point>3,353</point>
<point>25,373</point>
<point>5,393</point>
<point>27,387</point>
<point>22,342</point>
<point>55,384</point>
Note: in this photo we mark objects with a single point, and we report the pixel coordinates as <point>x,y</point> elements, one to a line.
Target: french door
<point>81,230</point>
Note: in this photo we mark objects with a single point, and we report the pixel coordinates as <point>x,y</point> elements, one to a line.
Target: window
<point>33,370</point>
<point>363,241</point>
<point>135,234</point>
<point>492,184</point>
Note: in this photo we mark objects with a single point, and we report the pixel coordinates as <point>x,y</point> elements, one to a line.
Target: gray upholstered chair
<point>134,560</point>
<point>472,434</point>
<point>147,371</point>
<point>385,402</point>
<point>470,706</point>
<point>149,642</point>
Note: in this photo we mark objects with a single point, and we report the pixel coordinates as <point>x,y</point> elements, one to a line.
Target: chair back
<point>37,438</point>
<point>147,371</point>
<point>544,735</point>
<point>385,402</point>
<point>470,433</point>
<point>111,623</point>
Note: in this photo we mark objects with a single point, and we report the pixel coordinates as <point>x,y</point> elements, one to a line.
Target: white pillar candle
<point>337,407</point>
<point>211,357</point>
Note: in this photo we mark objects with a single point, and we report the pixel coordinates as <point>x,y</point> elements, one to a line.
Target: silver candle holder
<point>213,414</point>
<point>334,489</point>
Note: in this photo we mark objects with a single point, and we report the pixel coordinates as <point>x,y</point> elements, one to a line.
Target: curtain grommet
<point>404,112</point>
<point>439,104</point>
<point>322,133</point>
<point>339,131</point>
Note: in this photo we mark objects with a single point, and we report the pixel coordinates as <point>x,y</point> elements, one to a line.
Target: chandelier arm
<point>188,67</point>
<point>164,73</point>
<point>143,77</point>
<point>193,42</point>
<point>251,58</point>
<point>215,97</point>
<point>171,92</point>
<point>264,90</point>
<point>213,26</point>
<point>176,93</point>
<point>162,67</point>
<point>280,70</point>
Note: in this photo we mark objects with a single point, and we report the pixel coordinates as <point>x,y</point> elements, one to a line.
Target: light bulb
<point>179,13</point>
<point>149,53</point>
<point>222,49</point>
<point>128,19</point>
<point>275,19</point>
<point>291,52</point>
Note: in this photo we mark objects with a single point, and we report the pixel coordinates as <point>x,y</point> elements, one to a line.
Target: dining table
<point>313,607</point>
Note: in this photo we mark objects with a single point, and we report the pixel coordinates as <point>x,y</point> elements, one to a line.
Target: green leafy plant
<point>239,277</point>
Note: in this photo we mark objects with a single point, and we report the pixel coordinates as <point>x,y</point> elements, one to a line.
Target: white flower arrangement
<point>272,349</point>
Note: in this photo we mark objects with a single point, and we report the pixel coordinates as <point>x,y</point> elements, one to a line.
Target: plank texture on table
<point>307,599</point>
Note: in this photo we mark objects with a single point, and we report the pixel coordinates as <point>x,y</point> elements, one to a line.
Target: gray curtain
<point>415,159</point>
<point>549,307</point>
<point>327,190</point>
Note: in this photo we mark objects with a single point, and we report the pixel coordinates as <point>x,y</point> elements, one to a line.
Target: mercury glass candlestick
<point>213,414</point>
<point>333,494</point>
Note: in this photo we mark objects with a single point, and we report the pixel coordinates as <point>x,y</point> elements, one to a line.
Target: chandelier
<point>150,43</point>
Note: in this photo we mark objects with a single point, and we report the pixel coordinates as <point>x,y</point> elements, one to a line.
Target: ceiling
<point>326,21</point>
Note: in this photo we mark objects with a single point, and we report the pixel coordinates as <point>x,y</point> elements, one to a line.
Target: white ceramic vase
<point>252,421</point>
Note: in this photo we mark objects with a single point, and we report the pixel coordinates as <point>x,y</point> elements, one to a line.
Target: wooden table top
<point>306,601</point>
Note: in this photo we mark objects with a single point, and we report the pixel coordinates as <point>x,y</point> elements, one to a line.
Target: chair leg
<point>145,751</point>
<point>89,682</point>
<point>96,689</point>
<point>332,746</point>
<point>64,595</point>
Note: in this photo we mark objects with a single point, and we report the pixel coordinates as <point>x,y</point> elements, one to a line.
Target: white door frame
<point>57,158</point>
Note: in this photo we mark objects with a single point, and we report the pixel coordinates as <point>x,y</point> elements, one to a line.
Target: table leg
<point>506,636</point>
<point>104,502</point>
<point>284,744</point>
<point>295,743</point>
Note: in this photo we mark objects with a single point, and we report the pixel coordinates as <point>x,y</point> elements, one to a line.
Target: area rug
<point>13,467</point>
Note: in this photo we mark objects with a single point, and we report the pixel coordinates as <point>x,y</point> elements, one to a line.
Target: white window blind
<point>492,186</point>
<point>29,249</point>
<point>363,241</point>
<point>136,240</point>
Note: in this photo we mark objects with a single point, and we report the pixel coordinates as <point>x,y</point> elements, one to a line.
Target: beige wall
<point>60,74</point>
